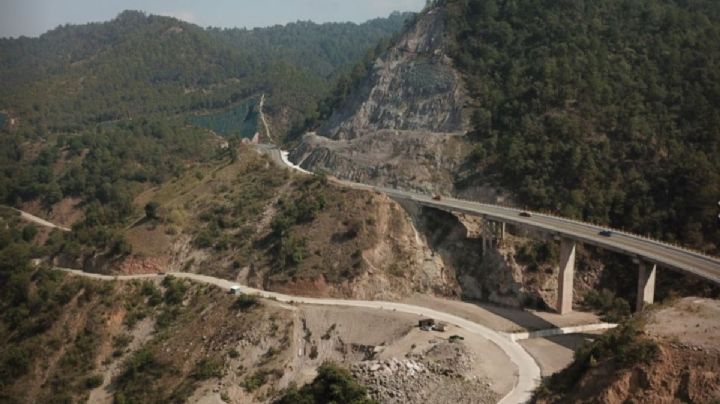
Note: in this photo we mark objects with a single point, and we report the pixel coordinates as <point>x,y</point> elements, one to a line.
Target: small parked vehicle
<point>605,233</point>
<point>235,290</point>
<point>437,197</point>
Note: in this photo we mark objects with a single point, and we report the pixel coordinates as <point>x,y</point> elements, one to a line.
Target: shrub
<point>204,239</point>
<point>622,347</point>
<point>269,354</point>
<point>15,362</point>
<point>29,232</point>
<point>151,210</point>
<point>175,290</point>
<point>610,307</point>
<point>255,381</point>
<point>94,382</point>
<point>333,384</point>
<point>329,331</point>
<point>207,369</point>
<point>139,373</point>
<point>245,302</point>
<point>167,317</point>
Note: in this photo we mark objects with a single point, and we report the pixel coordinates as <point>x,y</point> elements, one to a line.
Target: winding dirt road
<point>527,370</point>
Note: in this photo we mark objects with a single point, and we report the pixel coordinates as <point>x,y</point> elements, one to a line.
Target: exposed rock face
<point>412,88</point>
<point>502,274</point>
<point>435,376</point>
<point>408,159</point>
<point>685,369</point>
<point>390,258</point>
<point>405,126</point>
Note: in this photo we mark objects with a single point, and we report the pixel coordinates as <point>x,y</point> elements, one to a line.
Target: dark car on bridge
<point>525,214</point>
<point>605,233</point>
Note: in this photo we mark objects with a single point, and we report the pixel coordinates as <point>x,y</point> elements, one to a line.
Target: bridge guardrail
<point>689,250</point>
<point>616,230</point>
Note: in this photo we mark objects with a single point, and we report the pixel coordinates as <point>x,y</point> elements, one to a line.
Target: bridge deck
<point>663,254</point>
<point>653,251</point>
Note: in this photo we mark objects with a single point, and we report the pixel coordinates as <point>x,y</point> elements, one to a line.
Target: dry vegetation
<point>53,353</point>
<point>668,355</point>
<point>250,220</point>
<point>87,337</point>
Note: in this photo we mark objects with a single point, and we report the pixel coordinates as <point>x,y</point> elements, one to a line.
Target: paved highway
<point>528,372</point>
<point>648,250</point>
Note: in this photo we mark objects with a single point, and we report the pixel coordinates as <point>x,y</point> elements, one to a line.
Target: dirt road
<point>527,370</point>
<point>262,117</point>
<point>40,221</point>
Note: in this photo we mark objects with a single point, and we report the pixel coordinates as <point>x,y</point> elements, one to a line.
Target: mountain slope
<point>141,64</point>
<point>403,125</point>
<point>602,110</point>
<point>670,355</point>
<point>95,113</point>
<point>605,111</point>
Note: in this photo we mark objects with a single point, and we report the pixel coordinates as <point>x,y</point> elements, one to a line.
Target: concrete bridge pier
<point>493,234</point>
<point>646,284</point>
<point>497,230</point>
<point>565,280</point>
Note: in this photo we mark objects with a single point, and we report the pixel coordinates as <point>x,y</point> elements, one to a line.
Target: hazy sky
<point>33,17</point>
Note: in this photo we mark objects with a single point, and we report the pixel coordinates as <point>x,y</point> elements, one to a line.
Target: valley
<point>476,201</point>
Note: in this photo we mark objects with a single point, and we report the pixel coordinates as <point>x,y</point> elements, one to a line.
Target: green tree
<point>151,210</point>
<point>333,384</point>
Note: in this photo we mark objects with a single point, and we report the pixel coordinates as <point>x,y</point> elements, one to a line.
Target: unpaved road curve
<point>528,372</point>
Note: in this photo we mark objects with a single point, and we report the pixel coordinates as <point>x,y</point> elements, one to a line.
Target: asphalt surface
<point>528,372</point>
<point>642,248</point>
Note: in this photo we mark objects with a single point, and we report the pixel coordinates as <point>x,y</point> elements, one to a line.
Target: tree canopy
<point>605,110</point>
<point>140,64</point>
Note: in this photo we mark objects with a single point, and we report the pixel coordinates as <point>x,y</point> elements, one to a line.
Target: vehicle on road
<point>161,273</point>
<point>605,233</point>
<point>525,214</point>
<point>437,197</point>
<point>234,290</point>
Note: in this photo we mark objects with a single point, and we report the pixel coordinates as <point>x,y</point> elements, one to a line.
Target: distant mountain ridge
<point>140,64</point>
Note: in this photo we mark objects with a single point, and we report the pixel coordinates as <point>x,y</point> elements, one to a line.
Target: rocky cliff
<point>670,356</point>
<point>405,125</point>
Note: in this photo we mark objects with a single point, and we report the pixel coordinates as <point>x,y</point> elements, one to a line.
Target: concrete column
<point>565,280</point>
<point>646,285</point>
<point>485,245</point>
<point>501,231</point>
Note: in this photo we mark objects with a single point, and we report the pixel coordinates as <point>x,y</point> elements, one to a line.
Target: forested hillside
<point>141,64</point>
<point>98,112</point>
<point>605,110</point>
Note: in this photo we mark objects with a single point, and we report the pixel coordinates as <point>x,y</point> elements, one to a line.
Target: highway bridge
<point>649,254</point>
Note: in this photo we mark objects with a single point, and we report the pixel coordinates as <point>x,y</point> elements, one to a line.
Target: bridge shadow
<point>572,341</point>
<point>530,321</point>
<point>450,238</point>
<point>523,318</point>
